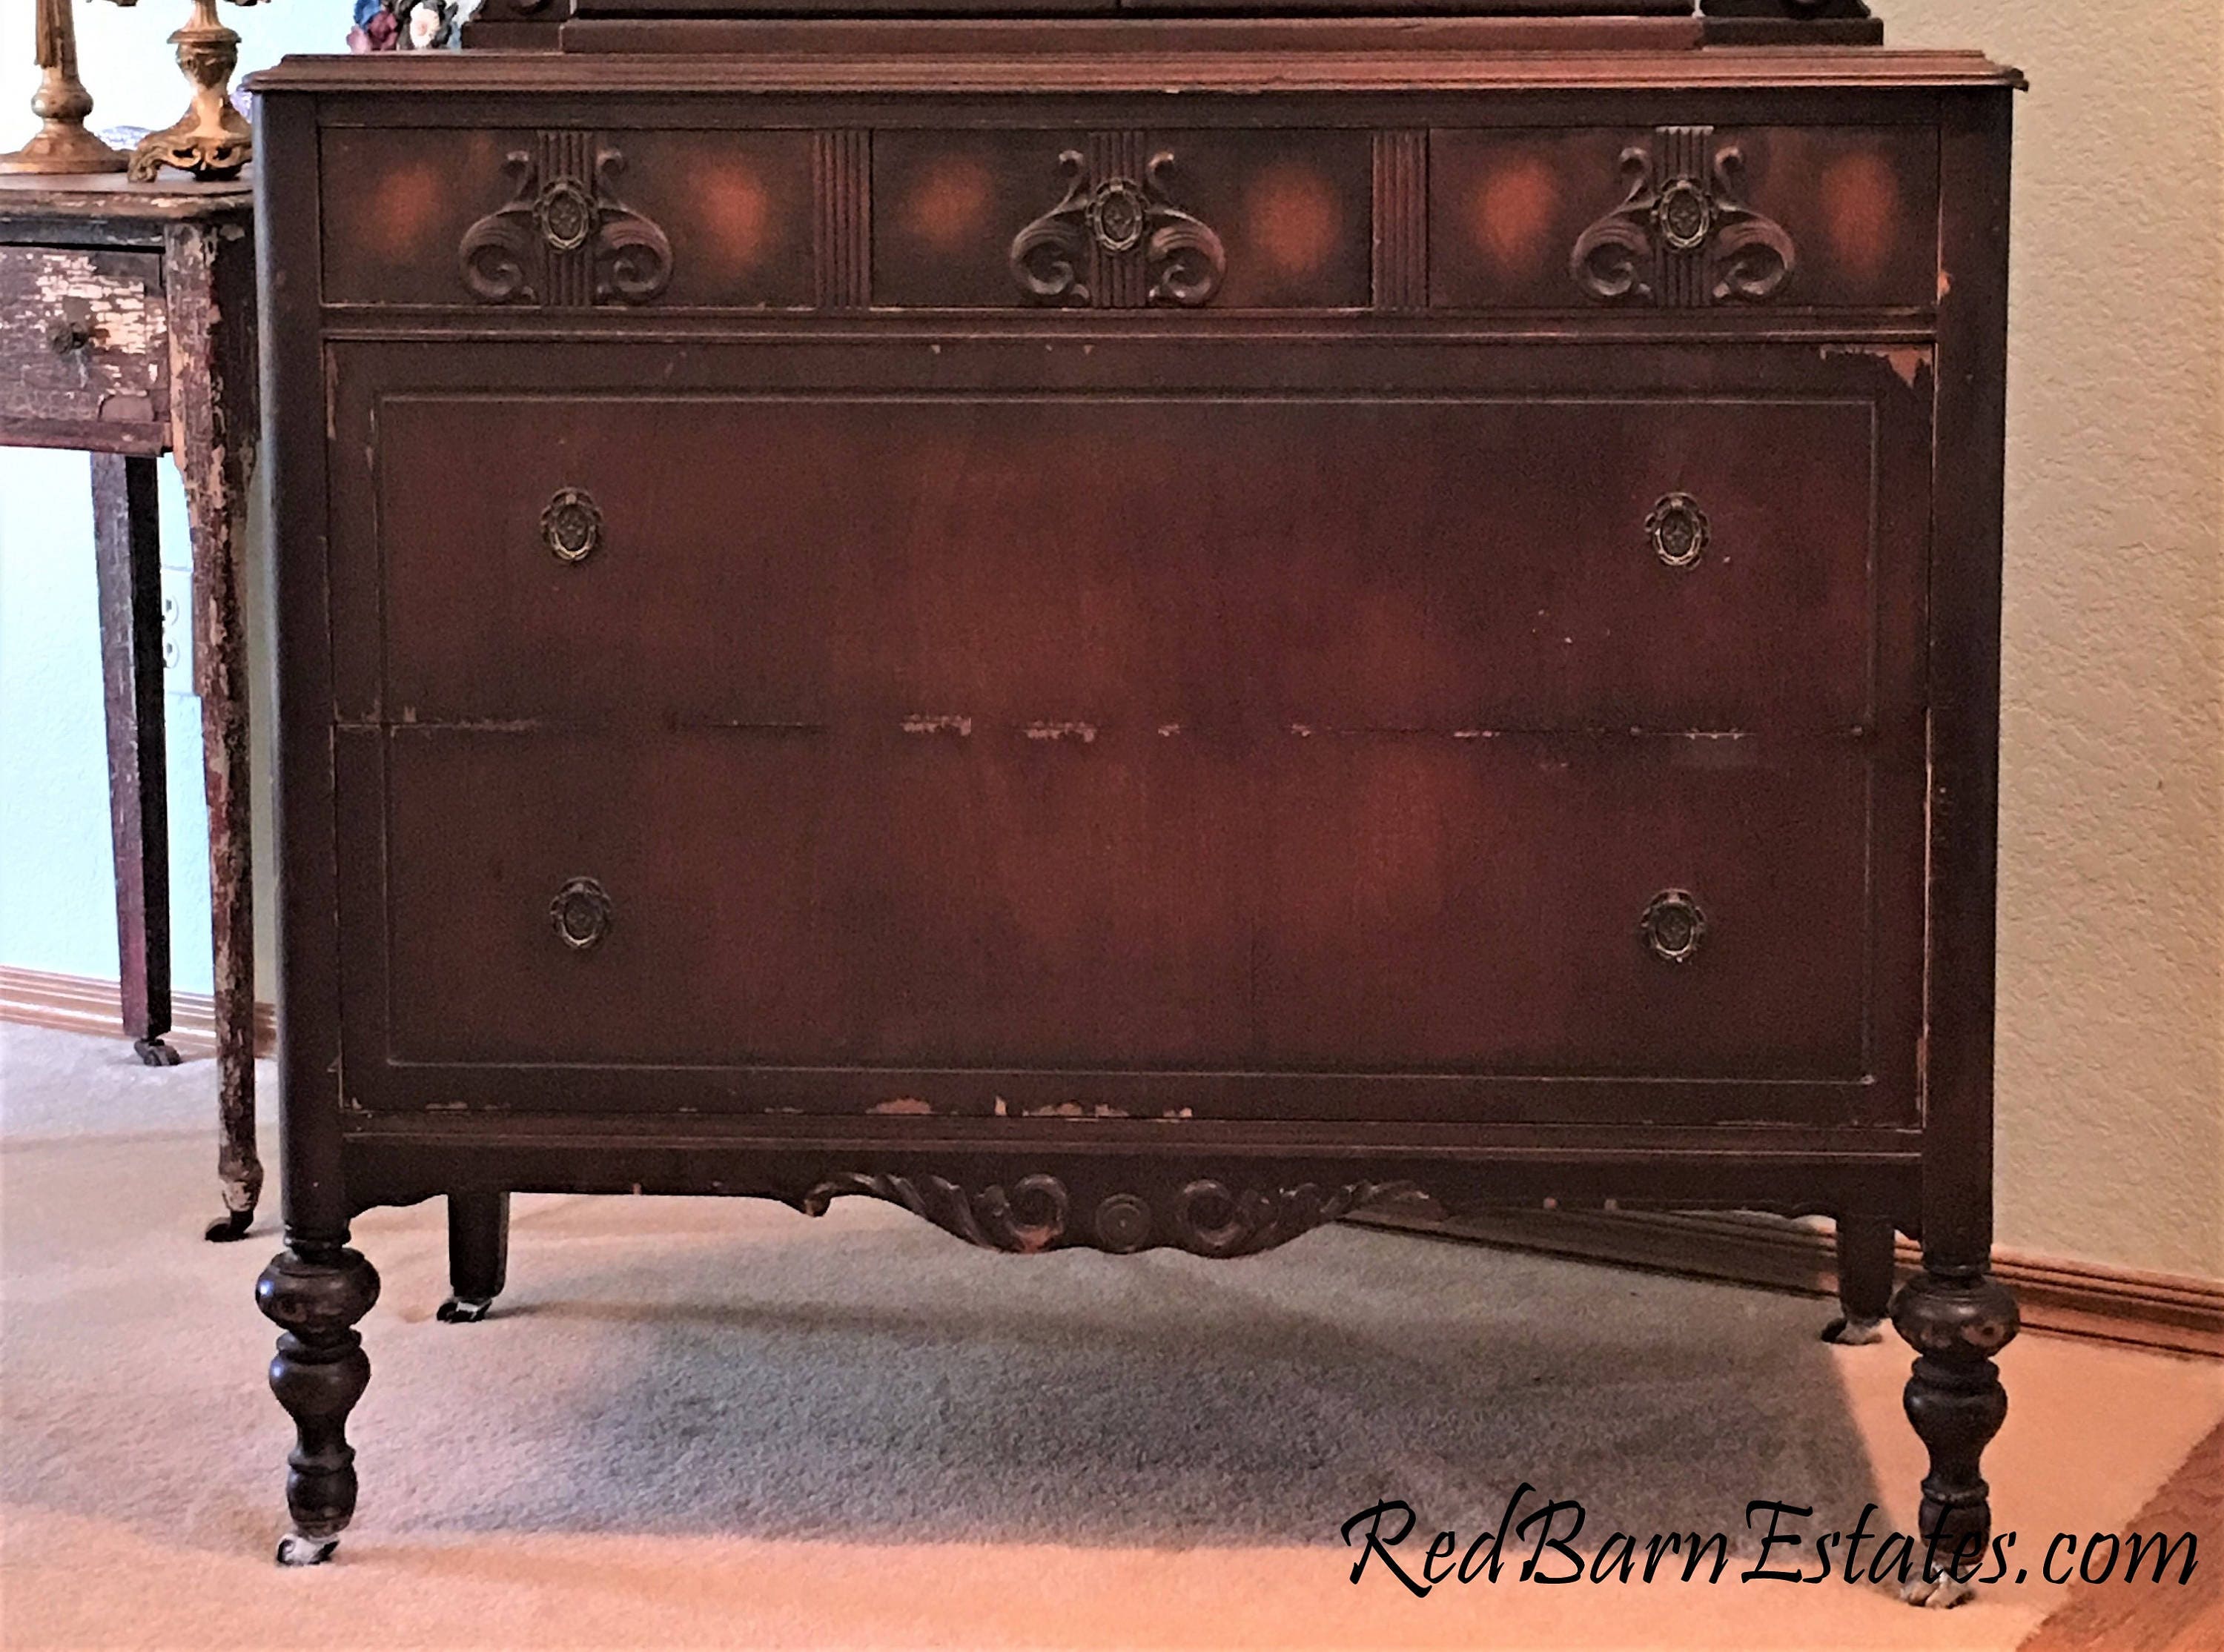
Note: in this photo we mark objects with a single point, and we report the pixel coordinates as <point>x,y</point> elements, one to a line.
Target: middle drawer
<point>1455,563</point>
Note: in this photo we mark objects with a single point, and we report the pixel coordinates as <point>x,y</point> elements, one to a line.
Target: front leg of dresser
<point>478,1254</point>
<point>314,1292</point>
<point>1955,1321</point>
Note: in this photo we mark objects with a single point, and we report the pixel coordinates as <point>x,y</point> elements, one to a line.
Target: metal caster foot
<point>1849,1333</point>
<point>294,1549</point>
<point>232,1225</point>
<point>1937,1594</point>
<point>465,1310</point>
<point>155,1053</point>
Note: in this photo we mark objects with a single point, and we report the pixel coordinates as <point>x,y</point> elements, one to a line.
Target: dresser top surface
<point>1130,63</point>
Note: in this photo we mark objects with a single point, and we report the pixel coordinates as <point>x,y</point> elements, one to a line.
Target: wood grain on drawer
<point>83,340</point>
<point>1213,561</point>
<point>1684,217</point>
<point>519,217</point>
<point>1009,899</point>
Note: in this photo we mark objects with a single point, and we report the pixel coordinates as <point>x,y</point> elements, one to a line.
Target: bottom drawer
<point>931,897</point>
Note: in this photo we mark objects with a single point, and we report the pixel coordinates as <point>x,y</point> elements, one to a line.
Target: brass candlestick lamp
<point>61,103</point>
<point>211,139</point>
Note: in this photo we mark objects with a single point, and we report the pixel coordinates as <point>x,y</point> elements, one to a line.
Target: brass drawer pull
<point>1673,926</point>
<point>1678,528</point>
<point>571,525</point>
<point>581,914</point>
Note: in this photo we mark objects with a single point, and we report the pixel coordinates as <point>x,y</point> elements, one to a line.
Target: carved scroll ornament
<point>1680,241</point>
<point>565,225</point>
<point>1038,1213</point>
<point>1118,218</point>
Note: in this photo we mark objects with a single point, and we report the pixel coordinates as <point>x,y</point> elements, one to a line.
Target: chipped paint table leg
<point>128,565</point>
<point>209,273</point>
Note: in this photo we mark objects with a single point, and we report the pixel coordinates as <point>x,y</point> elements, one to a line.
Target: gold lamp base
<point>61,149</point>
<point>61,102</point>
<point>211,139</point>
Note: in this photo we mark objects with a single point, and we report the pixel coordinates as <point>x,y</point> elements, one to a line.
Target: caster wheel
<point>155,1053</point>
<point>232,1225</point>
<point>1936,1594</point>
<point>1849,1333</point>
<point>294,1549</point>
<point>464,1310</point>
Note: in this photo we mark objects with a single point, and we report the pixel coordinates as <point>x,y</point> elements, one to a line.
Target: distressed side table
<point>127,329</point>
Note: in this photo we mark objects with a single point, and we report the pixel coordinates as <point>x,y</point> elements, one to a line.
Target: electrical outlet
<point>177,631</point>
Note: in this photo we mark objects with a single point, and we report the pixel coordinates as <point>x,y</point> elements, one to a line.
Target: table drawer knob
<point>1677,529</point>
<point>571,525</point>
<point>581,914</point>
<point>66,334</point>
<point>1673,926</point>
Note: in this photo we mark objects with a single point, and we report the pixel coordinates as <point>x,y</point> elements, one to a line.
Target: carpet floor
<point>697,1423</point>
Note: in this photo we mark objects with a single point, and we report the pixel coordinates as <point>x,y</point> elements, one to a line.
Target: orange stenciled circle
<point>1510,212</point>
<point>736,210</point>
<point>1860,211</point>
<point>948,207</point>
<point>1290,216</point>
<point>404,205</point>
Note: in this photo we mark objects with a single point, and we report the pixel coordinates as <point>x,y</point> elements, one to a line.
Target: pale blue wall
<point>56,872</point>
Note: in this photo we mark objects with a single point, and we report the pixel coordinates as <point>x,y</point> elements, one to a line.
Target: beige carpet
<point>711,1423</point>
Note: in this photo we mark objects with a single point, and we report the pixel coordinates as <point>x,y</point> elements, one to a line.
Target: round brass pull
<point>1685,214</point>
<point>1118,214</point>
<point>1678,528</point>
<point>581,914</point>
<point>1673,925</point>
<point>571,525</point>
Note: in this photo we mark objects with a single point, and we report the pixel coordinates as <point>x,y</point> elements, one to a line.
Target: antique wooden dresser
<point>1130,631</point>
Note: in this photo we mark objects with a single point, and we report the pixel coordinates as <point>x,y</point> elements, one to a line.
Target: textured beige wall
<point>2111,1076</point>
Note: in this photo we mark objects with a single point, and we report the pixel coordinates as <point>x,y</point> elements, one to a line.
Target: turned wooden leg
<point>209,274</point>
<point>314,1293</point>
<point>478,1254</point>
<point>128,563</point>
<point>1955,1323</point>
<point>1865,1261</point>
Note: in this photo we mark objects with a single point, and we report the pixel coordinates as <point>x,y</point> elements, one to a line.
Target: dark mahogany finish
<point>1132,634</point>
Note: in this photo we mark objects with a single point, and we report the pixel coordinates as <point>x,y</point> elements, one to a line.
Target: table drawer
<point>1457,564</point>
<point>1137,900</point>
<point>83,340</point>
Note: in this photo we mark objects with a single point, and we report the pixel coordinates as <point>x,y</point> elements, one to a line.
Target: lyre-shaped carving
<point>1675,240</point>
<point>564,218</point>
<point>1119,217</point>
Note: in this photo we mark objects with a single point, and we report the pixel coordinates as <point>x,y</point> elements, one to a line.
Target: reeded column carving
<point>315,1294</point>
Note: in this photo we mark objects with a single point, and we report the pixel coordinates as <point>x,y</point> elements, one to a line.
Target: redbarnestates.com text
<point>1536,1543</point>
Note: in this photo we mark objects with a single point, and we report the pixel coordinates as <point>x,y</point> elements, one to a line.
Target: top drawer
<point>1297,218</point>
